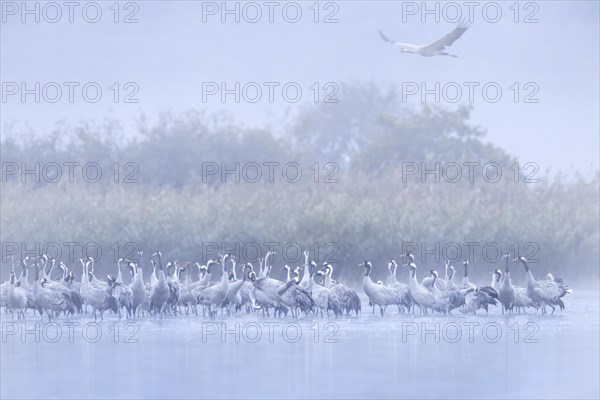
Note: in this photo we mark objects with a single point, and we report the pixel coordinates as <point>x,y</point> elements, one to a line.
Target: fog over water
<point>275,166</point>
<point>482,356</point>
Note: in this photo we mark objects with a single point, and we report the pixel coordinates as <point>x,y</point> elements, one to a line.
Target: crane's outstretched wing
<point>405,46</point>
<point>450,38</point>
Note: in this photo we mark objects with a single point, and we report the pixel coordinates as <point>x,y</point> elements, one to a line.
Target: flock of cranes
<point>172,291</point>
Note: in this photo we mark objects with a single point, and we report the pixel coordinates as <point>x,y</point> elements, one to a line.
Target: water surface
<point>397,356</point>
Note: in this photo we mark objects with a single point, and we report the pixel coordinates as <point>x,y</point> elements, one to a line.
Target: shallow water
<point>397,356</point>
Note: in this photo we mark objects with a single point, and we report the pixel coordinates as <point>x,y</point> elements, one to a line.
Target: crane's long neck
<point>233,270</point>
<point>466,275</point>
<point>161,271</point>
<point>44,274</point>
<point>367,282</point>
<point>23,278</point>
<point>506,274</point>
<point>64,272</point>
<point>327,277</point>
<point>434,288</point>
<point>392,276</point>
<point>139,274</point>
<point>413,284</point>
<point>224,275</point>
<point>188,274</point>
<point>311,282</point>
<point>119,274</point>
<point>206,277</point>
<point>306,274</point>
<point>52,266</point>
<point>36,281</point>
<point>84,275</point>
<point>530,278</point>
<point>413,274</point>
<point>138,267</point>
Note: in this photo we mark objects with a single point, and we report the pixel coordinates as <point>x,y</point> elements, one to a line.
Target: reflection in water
<point>521,356</point>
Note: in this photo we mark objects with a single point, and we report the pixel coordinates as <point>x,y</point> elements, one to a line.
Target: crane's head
<point>368,267</point>
<point>409,257</point>
<point>434,273</point>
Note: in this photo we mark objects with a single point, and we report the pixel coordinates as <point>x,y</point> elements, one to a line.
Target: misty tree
<point>371,129</point>
<point>427,135</point>
<point>337,132</point>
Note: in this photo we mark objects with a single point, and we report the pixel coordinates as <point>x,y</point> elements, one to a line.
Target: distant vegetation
<point>367,198</point>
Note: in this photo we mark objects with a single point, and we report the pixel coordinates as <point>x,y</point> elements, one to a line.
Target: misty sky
<point>170,52</point>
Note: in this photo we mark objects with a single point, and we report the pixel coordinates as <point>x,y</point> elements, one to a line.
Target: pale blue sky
<point>170,52</point>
